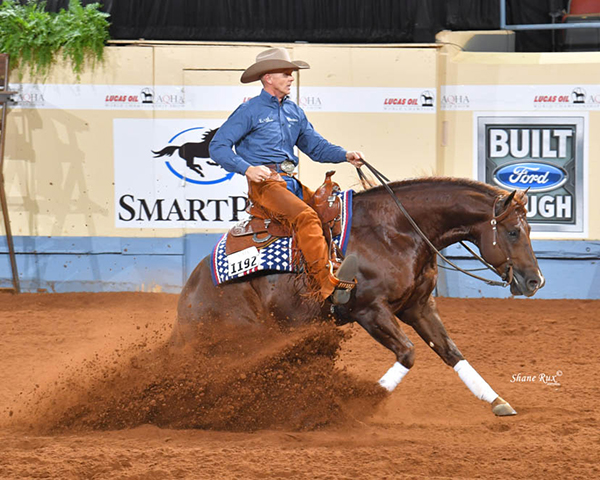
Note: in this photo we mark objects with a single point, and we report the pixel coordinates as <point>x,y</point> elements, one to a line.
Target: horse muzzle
<point>526,284</point>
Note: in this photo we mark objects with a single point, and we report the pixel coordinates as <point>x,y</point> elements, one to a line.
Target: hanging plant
<point>34,38</point>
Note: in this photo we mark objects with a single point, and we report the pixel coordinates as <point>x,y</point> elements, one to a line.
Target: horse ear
<point>509,199</point>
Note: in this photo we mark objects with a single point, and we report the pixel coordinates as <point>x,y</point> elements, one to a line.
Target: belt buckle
<point>287,166</point>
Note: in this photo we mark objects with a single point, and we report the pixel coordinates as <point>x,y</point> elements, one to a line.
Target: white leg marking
<point>475,382</point>
<point>393,376</point>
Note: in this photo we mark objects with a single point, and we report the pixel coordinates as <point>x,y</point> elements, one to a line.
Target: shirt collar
<point>267,97</point>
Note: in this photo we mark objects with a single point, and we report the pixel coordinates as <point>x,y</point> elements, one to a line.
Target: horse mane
<point>208,135</point>
<point>461,182</point>
<point>520,196</point>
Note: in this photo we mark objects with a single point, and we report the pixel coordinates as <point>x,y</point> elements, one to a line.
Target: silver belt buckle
<point>287,166</point>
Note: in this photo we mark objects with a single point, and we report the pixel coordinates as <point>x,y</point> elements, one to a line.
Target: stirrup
<point>344,279</point>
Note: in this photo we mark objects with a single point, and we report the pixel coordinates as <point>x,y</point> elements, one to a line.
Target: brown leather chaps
<point>274,197</point>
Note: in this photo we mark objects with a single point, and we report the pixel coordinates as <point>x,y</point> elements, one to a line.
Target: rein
<point>495,219</point>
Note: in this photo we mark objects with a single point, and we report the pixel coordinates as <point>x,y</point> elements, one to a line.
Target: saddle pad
<point>275,257</point>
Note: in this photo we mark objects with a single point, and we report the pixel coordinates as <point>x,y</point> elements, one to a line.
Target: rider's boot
<point>344,279</point>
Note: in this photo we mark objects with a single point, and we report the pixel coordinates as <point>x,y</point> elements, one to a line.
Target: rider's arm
<point>228,135</point>
<point>315,146</point>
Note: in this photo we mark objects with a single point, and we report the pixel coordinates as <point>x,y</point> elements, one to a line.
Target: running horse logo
<point>148,95</point>
<point>190,151</point>
<point>427,99</point>
<point>578,95</point>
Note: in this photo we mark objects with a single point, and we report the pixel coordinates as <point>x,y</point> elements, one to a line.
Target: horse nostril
<point>532,283</point>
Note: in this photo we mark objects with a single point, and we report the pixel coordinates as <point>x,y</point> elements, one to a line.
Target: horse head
<point>504,243</point>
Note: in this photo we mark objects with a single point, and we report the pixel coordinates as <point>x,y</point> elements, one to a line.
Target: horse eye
<point>513,233</point>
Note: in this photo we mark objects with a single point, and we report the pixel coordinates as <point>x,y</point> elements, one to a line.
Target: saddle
<point>260,230</point>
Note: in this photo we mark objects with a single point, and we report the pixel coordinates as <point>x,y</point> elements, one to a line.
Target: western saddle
<point>260,230</point>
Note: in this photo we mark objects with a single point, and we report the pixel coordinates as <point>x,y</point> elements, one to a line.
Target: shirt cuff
<point>242,166</point>
<point>342,157</point>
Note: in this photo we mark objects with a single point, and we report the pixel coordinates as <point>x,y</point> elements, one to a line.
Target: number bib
<point>244,261</point>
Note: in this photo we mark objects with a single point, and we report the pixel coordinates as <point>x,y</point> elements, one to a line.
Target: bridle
<point>507,277</point>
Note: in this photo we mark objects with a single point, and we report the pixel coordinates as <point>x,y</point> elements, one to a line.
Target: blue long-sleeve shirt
<point>264,131</point>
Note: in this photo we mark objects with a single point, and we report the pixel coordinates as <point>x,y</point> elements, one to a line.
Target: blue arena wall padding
<point>112,264</point>
<point>571,269</point>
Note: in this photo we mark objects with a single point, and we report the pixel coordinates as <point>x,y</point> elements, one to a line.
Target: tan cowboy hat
<point>269,61</point>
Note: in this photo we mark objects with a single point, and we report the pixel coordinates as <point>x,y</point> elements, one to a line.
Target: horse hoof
<point>502,408</point>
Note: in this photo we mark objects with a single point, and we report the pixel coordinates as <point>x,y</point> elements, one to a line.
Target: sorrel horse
<point>397,272</point>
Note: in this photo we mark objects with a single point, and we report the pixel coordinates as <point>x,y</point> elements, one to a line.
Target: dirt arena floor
<point>88,390</point>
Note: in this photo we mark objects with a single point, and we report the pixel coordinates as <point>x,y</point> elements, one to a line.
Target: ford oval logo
<point>539,177</point>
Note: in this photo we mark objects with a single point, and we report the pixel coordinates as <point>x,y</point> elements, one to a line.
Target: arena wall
<point>93,209</point>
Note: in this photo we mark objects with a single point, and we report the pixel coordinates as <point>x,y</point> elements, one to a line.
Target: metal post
<point>4,95</point>
<point>503,14</point>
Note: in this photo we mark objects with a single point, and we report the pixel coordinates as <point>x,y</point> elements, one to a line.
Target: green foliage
<point>34,38</point>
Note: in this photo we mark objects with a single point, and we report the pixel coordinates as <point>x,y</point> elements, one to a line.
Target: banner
<point>220,98</point>
<point>544,154</point>
<point>164,177</point>
<point>520,97</point>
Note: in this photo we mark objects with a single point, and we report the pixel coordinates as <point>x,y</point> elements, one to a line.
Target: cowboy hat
<point>269,61</point>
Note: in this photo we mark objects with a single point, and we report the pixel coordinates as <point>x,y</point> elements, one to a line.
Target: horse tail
<point>166,151</point>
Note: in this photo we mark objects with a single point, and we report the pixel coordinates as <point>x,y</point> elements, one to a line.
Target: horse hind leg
<point>192,166</point>
<point>425,320</point>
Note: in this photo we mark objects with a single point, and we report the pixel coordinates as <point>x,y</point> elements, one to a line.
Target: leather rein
<point>508,275</point>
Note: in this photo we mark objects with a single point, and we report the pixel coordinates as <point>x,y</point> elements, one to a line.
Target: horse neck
<point>446,213</point>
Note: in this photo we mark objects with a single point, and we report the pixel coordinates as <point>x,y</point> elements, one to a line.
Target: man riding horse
<point>264,131</point>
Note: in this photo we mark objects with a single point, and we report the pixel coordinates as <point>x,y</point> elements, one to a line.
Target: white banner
<point>220,98</point>
<point>520,97</point>
<point>368,99</point>
<point>225,98</point>
<point>164,177</point>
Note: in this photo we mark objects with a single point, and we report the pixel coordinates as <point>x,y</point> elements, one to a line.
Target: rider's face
<point>280,82</point>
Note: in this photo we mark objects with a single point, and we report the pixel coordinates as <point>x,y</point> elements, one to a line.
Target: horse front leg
<point>425,320</point>
<point>383,326</point>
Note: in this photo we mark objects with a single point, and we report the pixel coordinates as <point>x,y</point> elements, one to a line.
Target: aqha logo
<point>455,101</point>
<point>311,102</point>
<point>31,98</point>
<point>594,98</point>
<point>538,177</point>
<point>171,100</point>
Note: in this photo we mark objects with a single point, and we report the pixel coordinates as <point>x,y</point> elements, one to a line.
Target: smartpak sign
<point>542,154</point>
<point>164,177</point>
